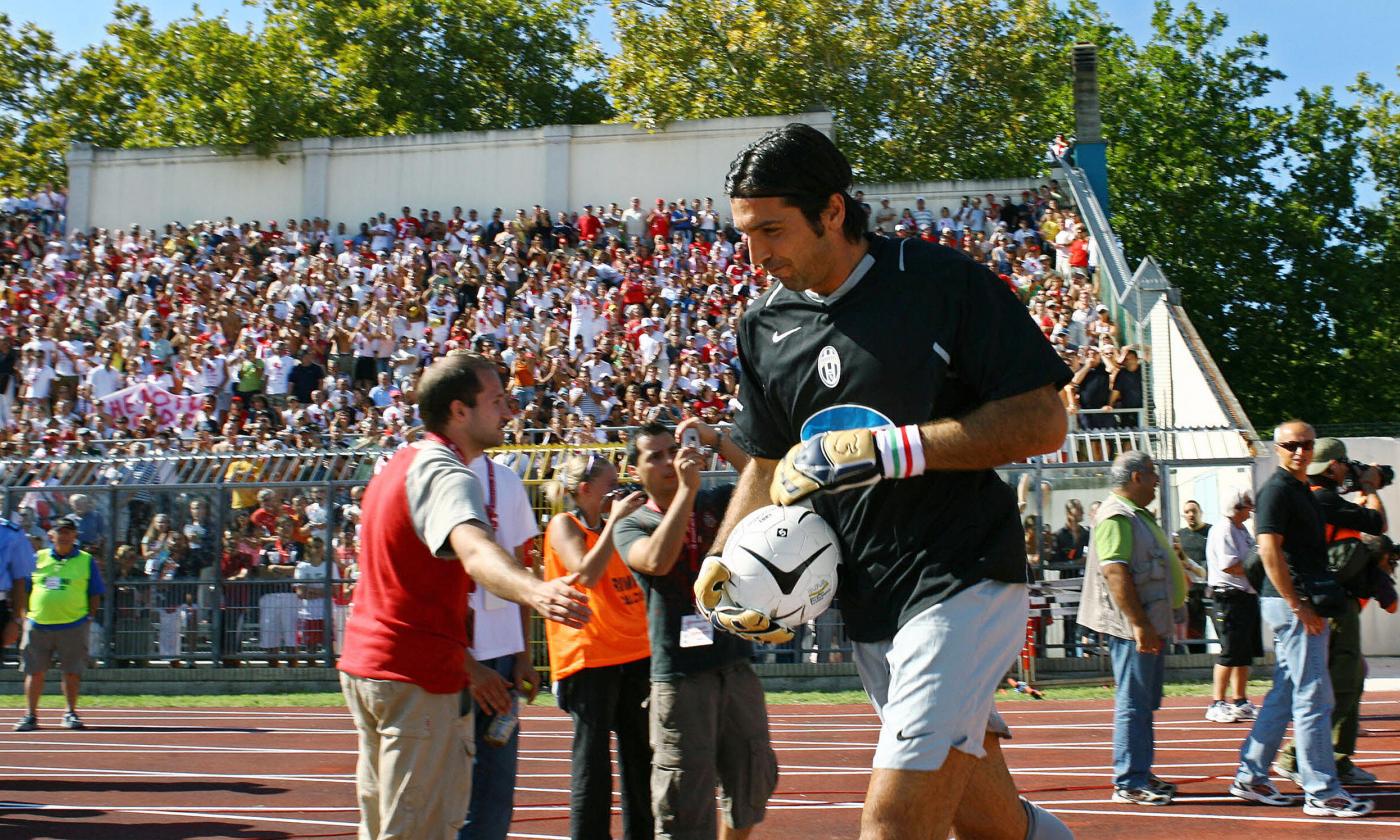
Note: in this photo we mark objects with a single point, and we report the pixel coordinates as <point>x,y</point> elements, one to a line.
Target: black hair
<point>456,376</point>
<point>800,165</point>
<point>649,429</point>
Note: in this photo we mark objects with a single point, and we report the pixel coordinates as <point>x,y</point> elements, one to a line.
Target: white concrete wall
<point>349,179</point>
<point>939,194</point>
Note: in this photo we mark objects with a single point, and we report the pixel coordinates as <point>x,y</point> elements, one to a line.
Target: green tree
<point>407,66</point>
<point>29,65</point>
<point>195,81</point>
<point>953,89</point>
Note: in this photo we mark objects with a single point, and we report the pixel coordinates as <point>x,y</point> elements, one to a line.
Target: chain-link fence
<point>236,559</point>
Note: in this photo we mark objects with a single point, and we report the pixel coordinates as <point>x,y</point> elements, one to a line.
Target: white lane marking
<point>1173,813</point>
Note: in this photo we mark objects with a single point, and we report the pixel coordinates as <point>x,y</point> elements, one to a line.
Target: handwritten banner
<point>171,410</point>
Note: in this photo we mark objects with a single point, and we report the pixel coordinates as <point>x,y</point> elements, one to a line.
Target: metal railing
<point>220,602</point>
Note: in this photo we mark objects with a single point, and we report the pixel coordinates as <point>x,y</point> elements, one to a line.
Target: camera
<point>1355,469</point>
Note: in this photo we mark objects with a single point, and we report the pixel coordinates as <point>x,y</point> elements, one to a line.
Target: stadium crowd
<point>276,336</point>
<point>603,318</point>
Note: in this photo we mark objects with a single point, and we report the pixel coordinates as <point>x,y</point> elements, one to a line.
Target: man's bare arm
<point>490,565</point>
<point>997,433</point>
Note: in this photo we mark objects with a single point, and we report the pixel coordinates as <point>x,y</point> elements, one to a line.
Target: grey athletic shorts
<point>934,683</point>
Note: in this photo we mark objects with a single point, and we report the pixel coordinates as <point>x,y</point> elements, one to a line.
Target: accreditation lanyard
<point>692,539</point>
<point>490,476</point>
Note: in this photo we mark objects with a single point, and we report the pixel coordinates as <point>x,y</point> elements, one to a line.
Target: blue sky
<point>1312,44</point>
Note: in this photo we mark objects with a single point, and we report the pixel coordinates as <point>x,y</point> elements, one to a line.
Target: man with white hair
<point>1132,587</point>
<point>1236,613</point>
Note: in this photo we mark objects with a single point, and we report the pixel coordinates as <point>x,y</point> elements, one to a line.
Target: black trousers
<point>602,701</point>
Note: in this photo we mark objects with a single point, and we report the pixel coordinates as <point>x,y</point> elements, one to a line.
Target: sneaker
<point>72,721</point>
<point>1140,796</point>
<point>1342,805</point>
<point>1245,710</point>
<point>1262,792</point>
<point>28,723</point>
<point>1291,775</point>
<point>1354,775</point>
<point>1221,712</point>
<point>1161,786</point>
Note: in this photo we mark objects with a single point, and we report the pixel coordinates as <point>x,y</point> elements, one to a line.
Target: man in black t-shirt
<point>873,359</point>
<point>1346,522</point>
<point>708,721</point>
<point>1292,547</point>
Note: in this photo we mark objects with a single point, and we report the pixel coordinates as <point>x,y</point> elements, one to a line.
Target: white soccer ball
<point>782,562</point>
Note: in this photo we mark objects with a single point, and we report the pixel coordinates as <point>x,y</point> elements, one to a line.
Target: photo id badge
<point>696,632</point>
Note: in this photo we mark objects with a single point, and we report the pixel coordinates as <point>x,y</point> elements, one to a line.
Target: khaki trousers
<point>414,773</point>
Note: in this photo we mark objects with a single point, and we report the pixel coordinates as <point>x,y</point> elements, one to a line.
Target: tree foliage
<point>1253,210</point>
<point>918,90</point>
<point>311,69</point>
<point>29,64</point>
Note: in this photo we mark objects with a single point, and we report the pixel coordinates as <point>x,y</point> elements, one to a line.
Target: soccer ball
<point>782,562</point>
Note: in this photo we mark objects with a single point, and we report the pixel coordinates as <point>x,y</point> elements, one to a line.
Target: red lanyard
<point>490,475</point>
<point>692,539</point>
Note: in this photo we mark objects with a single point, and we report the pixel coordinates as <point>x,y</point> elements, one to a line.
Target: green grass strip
<point>334,700</point>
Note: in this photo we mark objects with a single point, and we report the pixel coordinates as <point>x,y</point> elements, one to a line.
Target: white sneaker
<point>1245,710</point>
<point>1291,775</point>
<point>1262,792</point>
<point>1342,805</point>
<point>1221,712</point>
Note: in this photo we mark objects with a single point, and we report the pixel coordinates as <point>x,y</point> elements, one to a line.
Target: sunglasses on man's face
<point>1295,445</point>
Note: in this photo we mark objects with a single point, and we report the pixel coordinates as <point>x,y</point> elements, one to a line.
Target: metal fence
<point>193,580</point>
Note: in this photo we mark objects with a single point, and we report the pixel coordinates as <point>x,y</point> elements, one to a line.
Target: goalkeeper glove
<point>842,460</point>
<point>714,604</point>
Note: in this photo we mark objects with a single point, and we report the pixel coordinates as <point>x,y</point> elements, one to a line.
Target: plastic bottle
<point>503,725</point>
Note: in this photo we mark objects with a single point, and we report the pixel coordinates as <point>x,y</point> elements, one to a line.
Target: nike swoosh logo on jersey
<point>782,335</point>
<point>787,581</point>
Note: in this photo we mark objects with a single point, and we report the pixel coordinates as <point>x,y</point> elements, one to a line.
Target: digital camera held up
<point>1356,469</point>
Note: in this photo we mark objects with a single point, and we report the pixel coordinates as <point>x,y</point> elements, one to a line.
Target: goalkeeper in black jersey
<point>882,381</point>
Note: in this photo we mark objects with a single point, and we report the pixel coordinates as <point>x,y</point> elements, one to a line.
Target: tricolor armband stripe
<point>901,451</point>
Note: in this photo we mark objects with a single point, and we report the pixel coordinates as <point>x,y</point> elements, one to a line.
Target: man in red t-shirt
<point>1079,252</point>
<point>659,223</point>
<point>590,227</point>
<point>427,533</point>
<point>407,227</point>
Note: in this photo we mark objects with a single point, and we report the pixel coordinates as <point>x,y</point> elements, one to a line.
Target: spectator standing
<point>313,575</point>
<point>601,672</point>
<point>707,716</point>
<point>65,592</point>
<point>498,662</point>
<point>1236,611</point>
<point>1292,546</point>
<point>1191,540</point>
<point>1071,547</point>
<point>404,662</point>
<point>1346,523</point>
<point>1134,586</point>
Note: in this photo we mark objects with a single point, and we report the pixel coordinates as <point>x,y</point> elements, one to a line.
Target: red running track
<point>161,774</point>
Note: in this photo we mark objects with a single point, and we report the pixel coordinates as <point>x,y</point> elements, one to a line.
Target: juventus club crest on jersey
<point>829,366</point>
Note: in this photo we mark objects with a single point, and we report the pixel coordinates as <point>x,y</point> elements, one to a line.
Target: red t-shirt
<point>659,224</point>
<point>1079,253</point>
<point>589,227</point>
<point>409,618</point>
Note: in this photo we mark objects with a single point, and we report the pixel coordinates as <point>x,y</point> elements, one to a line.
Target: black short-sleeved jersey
<point>924,334</point>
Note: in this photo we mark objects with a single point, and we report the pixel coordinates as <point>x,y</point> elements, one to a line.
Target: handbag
<point>1329,598</point>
